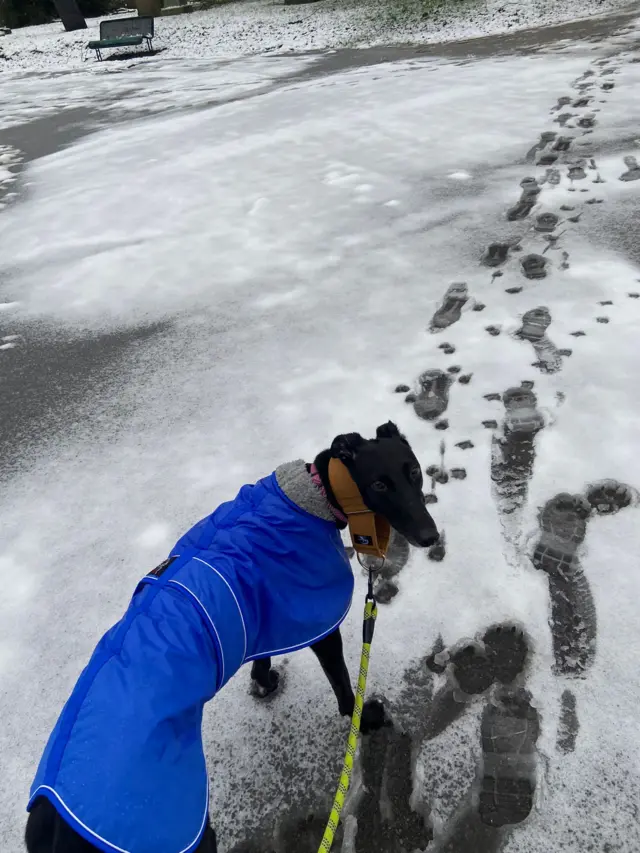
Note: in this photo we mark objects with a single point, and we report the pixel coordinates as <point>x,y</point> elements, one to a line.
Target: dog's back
<point>260,576</point>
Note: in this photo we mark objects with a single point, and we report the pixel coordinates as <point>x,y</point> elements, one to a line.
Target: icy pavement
<point>263,26</point>
<point>189,300</point>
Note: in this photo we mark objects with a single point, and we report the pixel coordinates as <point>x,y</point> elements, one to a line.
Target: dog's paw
<point>373,716</point>
<point>261,691</point>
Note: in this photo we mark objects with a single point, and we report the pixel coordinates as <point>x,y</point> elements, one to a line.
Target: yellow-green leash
<point>368,625</point>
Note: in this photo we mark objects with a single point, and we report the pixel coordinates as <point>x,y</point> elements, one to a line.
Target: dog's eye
<point>379,486</point>
<point>416,473</point>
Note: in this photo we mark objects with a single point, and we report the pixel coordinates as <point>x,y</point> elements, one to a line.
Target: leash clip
<point>371,569</point>
<point>370,596</point>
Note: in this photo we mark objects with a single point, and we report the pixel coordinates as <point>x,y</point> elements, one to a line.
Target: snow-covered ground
<point>151,86</point>
<point>237,29</point>
<point>270,267</point>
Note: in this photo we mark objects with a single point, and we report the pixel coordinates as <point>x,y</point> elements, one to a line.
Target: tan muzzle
<point>369,531</point>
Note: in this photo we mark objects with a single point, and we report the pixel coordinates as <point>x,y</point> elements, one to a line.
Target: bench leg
<point>149,46</point>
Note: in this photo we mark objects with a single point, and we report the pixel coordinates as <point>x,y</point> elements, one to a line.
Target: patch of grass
<point>388,15</point>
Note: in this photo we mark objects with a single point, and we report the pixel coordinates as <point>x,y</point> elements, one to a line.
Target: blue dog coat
<point>124,765</point>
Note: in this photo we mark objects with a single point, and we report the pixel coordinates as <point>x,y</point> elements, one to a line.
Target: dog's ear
<point>345,447</point>
<point>390,430</point>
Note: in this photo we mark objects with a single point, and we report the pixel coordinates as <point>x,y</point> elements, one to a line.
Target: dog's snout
<point>428,536</point>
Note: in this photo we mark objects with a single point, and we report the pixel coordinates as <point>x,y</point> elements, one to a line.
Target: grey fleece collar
<point>295,481</point>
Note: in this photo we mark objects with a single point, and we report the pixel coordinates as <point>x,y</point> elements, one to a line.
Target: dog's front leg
<point>265,677</point>
<point>330,653</point>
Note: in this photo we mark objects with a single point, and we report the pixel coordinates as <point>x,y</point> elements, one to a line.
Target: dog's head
<point>389,479</point>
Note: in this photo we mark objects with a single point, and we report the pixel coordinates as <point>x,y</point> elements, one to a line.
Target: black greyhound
<point>264,574</point>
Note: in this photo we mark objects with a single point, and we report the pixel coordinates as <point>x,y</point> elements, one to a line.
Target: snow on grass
<point>237,29</point>
<point>298,244</point>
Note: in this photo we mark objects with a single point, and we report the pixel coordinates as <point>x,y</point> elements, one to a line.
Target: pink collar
<point>315,479</point>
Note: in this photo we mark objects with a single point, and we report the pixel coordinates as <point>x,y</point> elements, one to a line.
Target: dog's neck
<point>300,486</point>
<point>338,514</point>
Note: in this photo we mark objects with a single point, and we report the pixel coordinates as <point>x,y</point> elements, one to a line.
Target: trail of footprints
<point>492,669</point>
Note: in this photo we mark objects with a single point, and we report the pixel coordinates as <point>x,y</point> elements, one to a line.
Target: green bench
<point>124,32</point>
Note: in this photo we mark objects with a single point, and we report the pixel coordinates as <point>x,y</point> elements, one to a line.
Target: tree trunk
<point>152,8</point>
<point>70,15</point>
